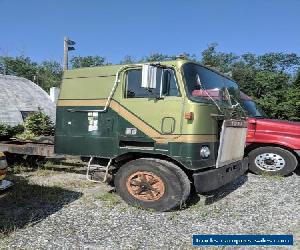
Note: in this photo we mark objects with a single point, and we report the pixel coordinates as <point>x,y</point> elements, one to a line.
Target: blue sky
<point>114,28</point>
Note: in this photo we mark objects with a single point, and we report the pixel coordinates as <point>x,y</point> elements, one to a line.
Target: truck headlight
<point>205,152</point>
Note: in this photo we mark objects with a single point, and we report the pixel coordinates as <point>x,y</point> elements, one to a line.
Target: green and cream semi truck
<point>161,128</point>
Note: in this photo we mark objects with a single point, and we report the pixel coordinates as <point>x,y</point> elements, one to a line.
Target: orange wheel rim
<point>145,186</point>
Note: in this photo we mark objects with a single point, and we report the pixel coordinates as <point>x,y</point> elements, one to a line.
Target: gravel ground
<point>87,216</point>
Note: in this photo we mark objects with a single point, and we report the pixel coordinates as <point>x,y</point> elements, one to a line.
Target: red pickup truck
<point>273,146</point>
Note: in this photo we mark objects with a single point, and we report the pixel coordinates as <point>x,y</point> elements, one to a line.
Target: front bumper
<point>218,177</point>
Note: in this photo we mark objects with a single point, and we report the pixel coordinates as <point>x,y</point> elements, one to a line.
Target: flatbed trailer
<point>33,148</point>
<point>42,148</point>
<point>28,148</point>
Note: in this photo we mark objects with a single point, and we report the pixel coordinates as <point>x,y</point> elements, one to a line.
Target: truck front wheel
<point>151,184</point>
<point>272,161</point>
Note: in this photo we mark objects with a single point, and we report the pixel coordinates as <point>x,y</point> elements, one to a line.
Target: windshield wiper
<point>206,92</point>
<point>234,106</point>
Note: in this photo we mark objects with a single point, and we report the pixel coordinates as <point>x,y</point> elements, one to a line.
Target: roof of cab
<point>110,70</point>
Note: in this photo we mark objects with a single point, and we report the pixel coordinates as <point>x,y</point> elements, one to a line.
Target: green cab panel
<point>85,133</point>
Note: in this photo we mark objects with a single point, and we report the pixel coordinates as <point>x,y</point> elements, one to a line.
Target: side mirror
<point>149,76</point>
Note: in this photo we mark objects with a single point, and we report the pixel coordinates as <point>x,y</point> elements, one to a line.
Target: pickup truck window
<point>133,87</point>
<point>253,110</point>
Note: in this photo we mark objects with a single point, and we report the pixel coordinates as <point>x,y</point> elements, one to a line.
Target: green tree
<point>218,60</point>
<point>2,66</point>
<point>127,60</point>
<point>49,74</point>
<point>279,61</point>
<point>19,66</point>
<point>87,61</point>
<point>291,103</point>
<point>155,57</point>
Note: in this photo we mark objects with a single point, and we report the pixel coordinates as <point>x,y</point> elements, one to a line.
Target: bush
<point>39,124</point>
<point>17,129</point>
<point>36,124</point>
<point>7,131</point>
<point>26,135</point>
<point>4,131</point>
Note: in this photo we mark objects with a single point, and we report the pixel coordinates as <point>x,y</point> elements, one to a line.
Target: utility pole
<point>68,46</point>
<point>66,53</point>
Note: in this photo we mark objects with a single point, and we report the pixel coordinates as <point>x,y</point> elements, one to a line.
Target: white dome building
<point>20,97</point>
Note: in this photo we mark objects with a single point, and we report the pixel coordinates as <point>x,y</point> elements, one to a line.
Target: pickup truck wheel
<point>150,184</point>
<point>272,161</point>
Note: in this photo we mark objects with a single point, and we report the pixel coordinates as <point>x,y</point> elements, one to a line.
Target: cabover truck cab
<point>160,127</point>
<point>273,146</point>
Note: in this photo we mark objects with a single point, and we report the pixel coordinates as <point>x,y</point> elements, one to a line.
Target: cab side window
<point>169,86</point>
<point>133,87</point>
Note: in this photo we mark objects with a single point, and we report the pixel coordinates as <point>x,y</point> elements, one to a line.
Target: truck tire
<point>185,182</point>
<point>152,184</point>
<point>272,161</point>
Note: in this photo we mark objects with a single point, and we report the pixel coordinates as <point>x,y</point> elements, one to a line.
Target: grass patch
<point>48,165</point>
<point>109,199</point>
<point>44,172</point>
<point>275,177</point>
<point>41,170</point>
<point>217,212</point>
<point>19,168</point>
<point>76,184</point>
<point>46,169</point>
<point>173,216</point>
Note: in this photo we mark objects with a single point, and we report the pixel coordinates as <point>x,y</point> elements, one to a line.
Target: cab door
<point>150,114</point>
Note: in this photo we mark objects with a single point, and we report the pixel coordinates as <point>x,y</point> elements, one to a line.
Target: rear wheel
<point>272,161</point>
<point>152,184</point>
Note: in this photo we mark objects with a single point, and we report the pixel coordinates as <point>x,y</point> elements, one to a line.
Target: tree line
<point>271,79</point>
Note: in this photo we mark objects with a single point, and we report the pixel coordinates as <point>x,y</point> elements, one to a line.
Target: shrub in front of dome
<point>6,131</point>
<point>39,124</point>
<point>36,124</point>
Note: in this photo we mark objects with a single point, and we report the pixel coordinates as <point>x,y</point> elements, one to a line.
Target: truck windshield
<point>203,84</point>
<point>252,109</point>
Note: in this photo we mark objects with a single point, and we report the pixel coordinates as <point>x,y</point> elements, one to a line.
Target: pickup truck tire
<point>152,184</point>
<point>272,161</point>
